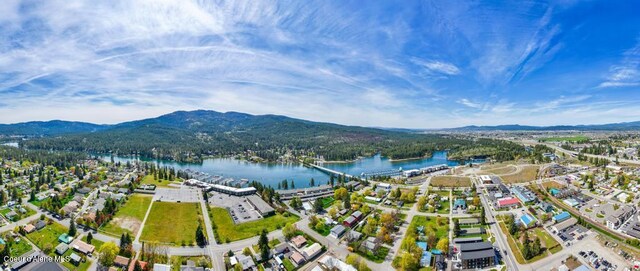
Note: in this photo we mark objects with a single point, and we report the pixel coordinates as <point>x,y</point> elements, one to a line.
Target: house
<point>545,207</point>
<point>62,248</point>
<point>571,202</point>
<point>478,255</point>
<point>83,191</point>
<point>81,246</point>
<point>471,231</point>
<point>527,221</point>
<point>71,207</point>
<point>353,236</point>
<point>469,221</point>
<point>75,259</point>
<point>161,267</point>
<point>561,217</point>
<point>280,249</point>
<point>357,215</point>
<point>297,258</point>
<point>554,191</point>
<point>11,215</point>
<point>615,220</point>
<point>372,244</point>
<point>246,262</point>
<point>40,224</point>
<point>65,238</point>
<point>331,263</point>
<point>350,221</point>
<point>120,261</point>
<point>564,224</point>
<point>508,202</point>
<point>298,241</point>
<point>460,204</point>
<point>425,258</point>
<point>29,228</point>
<point>337,231</point>
<point>312,251</point>
<point>384,186</point>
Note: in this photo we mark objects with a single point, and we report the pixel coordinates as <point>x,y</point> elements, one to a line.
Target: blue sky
<point>414,64</point>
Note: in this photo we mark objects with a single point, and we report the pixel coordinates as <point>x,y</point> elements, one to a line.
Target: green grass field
<point>130,215</point>
<point>149,179</point>
<point>47,235</point>
<point>576,138</point>
<point>549,242</point>
<point>228,231</point>
<point>528,173</point>
<point>18,248</point>
<point>95,242</point>
<point>171,222</point>
<point>430,224</point>
<point>327,202</point>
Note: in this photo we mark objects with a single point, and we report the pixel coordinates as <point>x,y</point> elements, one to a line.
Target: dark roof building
<point>477,255</point>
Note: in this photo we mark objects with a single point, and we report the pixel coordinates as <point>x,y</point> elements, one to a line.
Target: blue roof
<point>436,252</point>
<point>554,191</point>
<point>562,216</point>
<point>422,245</point>
<point>527,219</point>
<point>425,260</point>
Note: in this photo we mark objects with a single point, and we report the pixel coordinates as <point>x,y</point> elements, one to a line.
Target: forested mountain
<point>49,128</point>
<point>621,126</point>
<point>187,136</point>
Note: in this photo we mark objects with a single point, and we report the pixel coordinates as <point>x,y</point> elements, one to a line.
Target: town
<point>573,209</point>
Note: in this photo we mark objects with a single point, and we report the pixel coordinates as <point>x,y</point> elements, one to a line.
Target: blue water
<point>273,173</point>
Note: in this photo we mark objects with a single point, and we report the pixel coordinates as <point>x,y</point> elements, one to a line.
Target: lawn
<point>18,248</point>
<point>149,179</point>
<point>201,261</point>
<point>515,250</point>
<point>430,224</point>
<point>450,181</point>
<point>378,257</point>
<point>95,242</point>
<point>287,264</point>
<point>130,215</point>
<point>229,231</point>
<point>527,173</point>
<point>549,242</point>
<point>47,235</point>
<point>327,202</point>
<point>576,138</point>
<point>446,205</point>
<point>171,222</point>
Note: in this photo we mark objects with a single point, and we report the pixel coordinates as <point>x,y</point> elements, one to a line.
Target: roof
<point>467,240</point>
<point>333,263</point>
<point>508,201</point>
<point>43,266</point>
<point>83,247</point>
<point>75,257</point>
<point>350,220</point>
<point>161,267</point>
<point>262,206</point>
<point>477,250</point>
<point>62,248</point>
<point>472,220</point>
<point>527,219</point>
<point>29,228</point>
<point>561,216</point>
<point>565,224</point>
<point>475,246</point>
<point>312,250</point>
<point>121,261</point>
<point>338,229</point>
<point>298,240</point>
<point>357,214</point>
<point>297,257</point>
<point>582,268</point>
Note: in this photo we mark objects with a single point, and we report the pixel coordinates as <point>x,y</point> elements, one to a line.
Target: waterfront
<point>273,173</point>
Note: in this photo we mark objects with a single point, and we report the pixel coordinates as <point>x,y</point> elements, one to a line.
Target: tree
<point>333,212</point>
<point>347,203</point>
<point>340,193</point>
<point>289,231</point>
<point>263,244</point>
<point>107,253</point>
<point>317,206</point>
<point>201,240</point>
<point>422,202</point>
<point>89,238</point>
<point>456,227</point>
<point>137,266</point>
<point>72,228</point>
<point>443,245</point>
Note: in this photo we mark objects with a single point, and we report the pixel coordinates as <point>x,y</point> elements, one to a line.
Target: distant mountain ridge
<point>621,126</point>
<point>50,128</point>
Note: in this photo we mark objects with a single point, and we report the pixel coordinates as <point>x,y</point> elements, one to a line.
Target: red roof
<point>508,201</point>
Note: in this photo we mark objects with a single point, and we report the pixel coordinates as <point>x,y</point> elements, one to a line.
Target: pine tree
<point>263,244</point>
<point>89,238</point>
<point>200,238</point>
<point>72,228</point>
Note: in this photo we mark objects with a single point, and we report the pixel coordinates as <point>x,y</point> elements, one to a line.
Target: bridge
<point>330,171</point>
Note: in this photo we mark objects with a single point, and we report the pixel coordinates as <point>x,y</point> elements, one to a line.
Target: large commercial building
<point>615,220</point>
<point>260,205</point>
<point>524,194</point>
<point>476,255</point>
<point>231,190</point>
<point>306,193</point>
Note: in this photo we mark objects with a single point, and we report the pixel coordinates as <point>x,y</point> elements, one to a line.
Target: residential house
<point>337,231</point>
<point>297,258</point>
<point>298,241</point>
<point>312,251</point>
<point>81,246</point>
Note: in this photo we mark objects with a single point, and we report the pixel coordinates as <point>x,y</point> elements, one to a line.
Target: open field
<point>47,235</point>
<point>149,179</point>
<point>450,181</point>
<point>17,248</point>
<point>171,222</point>
<point>549,242</point>
<point>431,224</point>
<point>576,138</point>
<point>552,184</point>
<point>526,173</point>
<point>130,215</point>
<point>228,231</point>
<point>509,169</point>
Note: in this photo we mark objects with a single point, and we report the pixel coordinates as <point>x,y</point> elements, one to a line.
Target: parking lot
<point>238,207</point>
<point>598,211</point>
<point>184,194</point>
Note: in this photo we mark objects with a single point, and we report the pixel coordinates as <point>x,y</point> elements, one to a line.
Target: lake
<point>273,173</point>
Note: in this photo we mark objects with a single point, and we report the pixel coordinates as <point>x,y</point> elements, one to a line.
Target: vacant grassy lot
<point>129,217</point>
<point>171,222</point>
<point>526,173</point>
<point>549,242</point>
<point>228,231</point>
<point>431,225</point>
<point>149,179</point>
<point>450,181</point>
<point>19,246</point>
<point>576,138</point>
<point>47,235</point>
<point>509,169</point>
<point>552,184</point>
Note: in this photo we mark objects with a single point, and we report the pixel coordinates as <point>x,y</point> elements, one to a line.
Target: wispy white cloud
<point>436,66</point>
